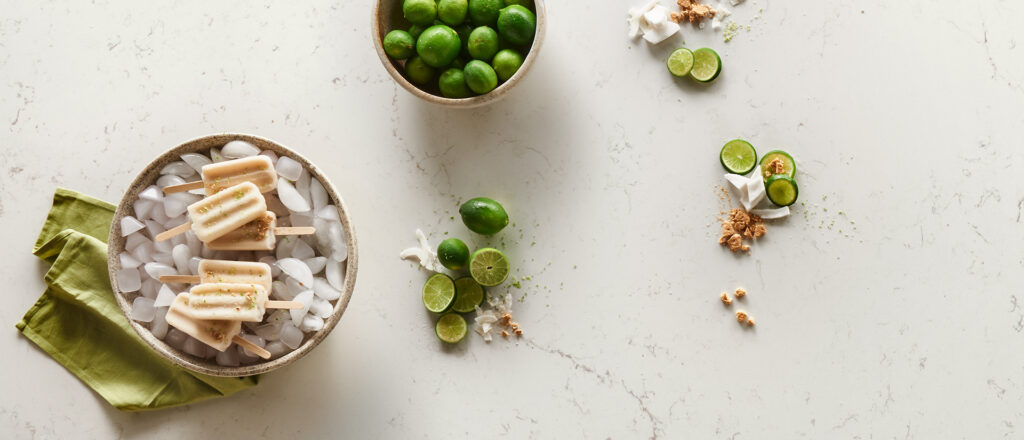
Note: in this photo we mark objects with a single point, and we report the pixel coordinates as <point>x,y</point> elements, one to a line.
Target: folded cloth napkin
<point>78,322</point>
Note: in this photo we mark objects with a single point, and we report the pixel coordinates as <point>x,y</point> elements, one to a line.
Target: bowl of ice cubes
<point>232,255</point>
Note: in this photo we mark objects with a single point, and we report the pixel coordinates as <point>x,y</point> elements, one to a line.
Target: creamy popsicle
<point>217,334</point>
<point>217,177</point>
<point>220,213</point>
<point>221,271</point>
<point>224,301</point>
<point>257,235</point>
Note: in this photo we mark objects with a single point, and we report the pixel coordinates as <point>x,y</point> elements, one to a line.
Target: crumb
<point>519,332</point>
<point>774,167</point>
<point>742,317</point>
<point>740,293</point>
<point>692,11</point>
<point>750,322</point>
<point>739,225</point>
<point>725,298</point>
<point>504,333</point>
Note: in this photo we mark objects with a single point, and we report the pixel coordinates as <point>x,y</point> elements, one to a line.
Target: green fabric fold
<point>78,322</point>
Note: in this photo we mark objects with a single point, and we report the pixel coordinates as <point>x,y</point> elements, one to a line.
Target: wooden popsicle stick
<point>187,279</point>
<point>189,186</point>
<point>251,347</point>
<point>295,230</point>
<point>272,304</point>
<point>177,230</point>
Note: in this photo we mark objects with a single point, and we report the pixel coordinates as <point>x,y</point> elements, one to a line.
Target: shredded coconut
<point>424,254</point>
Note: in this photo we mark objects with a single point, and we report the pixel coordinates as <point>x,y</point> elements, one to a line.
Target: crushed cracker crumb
<point>725,298</point>
<point>692,11</point>
<point>742,317</point>
<point>740,293</point>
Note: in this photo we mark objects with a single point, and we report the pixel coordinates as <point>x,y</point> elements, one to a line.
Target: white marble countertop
<point>889,306</point>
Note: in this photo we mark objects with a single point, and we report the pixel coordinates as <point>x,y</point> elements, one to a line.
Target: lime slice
<point>788,164</point>
<point>489,267</point>
<point>781,189</point>
<point>706,65</point>
<point>680,62</point>
<point>451,328</point>
<point>438,293</point>
<point>738,156</point>
<point>468,295</point>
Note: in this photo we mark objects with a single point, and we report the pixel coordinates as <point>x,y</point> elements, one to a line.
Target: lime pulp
<point>438,293</point>
<point>489,267</point>
<point>706,65</point>
<point>680,62</point>
<point>468,295</point>
<point>781,189</point>
<point>738,156</point>
<point>451,328</point>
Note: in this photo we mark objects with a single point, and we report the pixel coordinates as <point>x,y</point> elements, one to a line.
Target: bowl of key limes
<point>458,53</point>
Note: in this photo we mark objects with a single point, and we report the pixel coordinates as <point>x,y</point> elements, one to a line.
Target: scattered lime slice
<point>781,189</point>
<point>451,328</point>
<point>468,295</point>
<point>788,164</point>
<point>680,62</point>
<point>438,293</point>
<point>738,156</point>
<point>489,267</point>
<point>706,65</point>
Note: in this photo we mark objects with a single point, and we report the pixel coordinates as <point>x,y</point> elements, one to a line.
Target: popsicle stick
<point>295,230</point>
<point>251,347</point>
<point>177,230</point>
<point>271,304</point>
<point>187,279</point>
<point>189,186</point>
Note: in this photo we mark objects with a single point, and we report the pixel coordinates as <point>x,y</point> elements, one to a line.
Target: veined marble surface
<point>888,306</point>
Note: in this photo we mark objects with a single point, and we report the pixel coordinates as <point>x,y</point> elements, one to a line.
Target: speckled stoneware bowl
<point>387,16</point>
<point>116,245</point>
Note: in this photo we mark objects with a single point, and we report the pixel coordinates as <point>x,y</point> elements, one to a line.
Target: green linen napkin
<point>78,322</point>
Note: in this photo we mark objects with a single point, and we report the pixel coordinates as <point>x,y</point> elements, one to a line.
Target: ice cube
<point>144,252</point>
<point>152,193</point>
<point>169,180</point>
<point>281,291</point>
<point>158,214</point>
<point>194,347</point>
<point>271,261</point>
<point>284,246</point>
<point>311,323</point>
<point>196,161</point>
<point>228,358</point>
<point>153,228</point>
<point>216,156</point>
<point>269,332</point>
<point>272,155</point>
<point>293,285</point>
<point>236,149</point>
<point>306,298</point>
<point>301,250</point>
<point>178,168</point>
<point>329,212</point>
<point>142,208</point>
<point>316,264</point>
<point>276,349</point>
<point>163,257</point>
<point>318,194</point>
<point>334,274</point>
<point>302,186</point>
<point>156,270</point>
<point>165,298</point>
<point>178,239</point>
<point>176,338</point>
<point>193,265</point>
<point>288,168</point>
<point>295,268</point>
<point>194,245</point>
<point>181,255</point>
<point>159,325</point>
<point>290,197</point>
<point>255,340</point>
<point>128,261</point>
<point>130,225</point>
<point>142,309</point>
<point>150,288</point>
<point>128,280</point>
<point>291,336</point>
<point>323,236</point>
<point>320,307</point>
<point>176,204</point>
<point>279,317</point>
<point>339,246</point>
<point>133,241</point>
<point>324,290</point>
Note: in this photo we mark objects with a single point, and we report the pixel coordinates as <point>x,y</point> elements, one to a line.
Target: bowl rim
<point>115,242</point>
<point>475,101</point>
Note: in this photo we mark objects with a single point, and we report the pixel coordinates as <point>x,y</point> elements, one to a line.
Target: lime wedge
<point>706,65</point>
<point>781,189</point>
<point>680,62</point>
<point>489,267</point>
<point>451,328</point>
<point>438,293</point>
<point>738,156</point>
<point>468,295</point>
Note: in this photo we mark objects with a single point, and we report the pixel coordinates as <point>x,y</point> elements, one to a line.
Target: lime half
<point>468,295</point>
<point>451,328</point>
<point>438,293</point>
<point>680,62</point>
<point>489,267</point>
<point>781,189</point>
<point>738,156</point>
<point>706,65</point>
<point>788,164</point>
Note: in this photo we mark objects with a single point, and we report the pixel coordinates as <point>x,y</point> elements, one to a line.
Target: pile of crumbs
<point>738,226</point>
<point>692,11</point>
<point>742,317</point>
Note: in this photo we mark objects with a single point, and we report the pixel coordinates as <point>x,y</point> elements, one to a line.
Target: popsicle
<point>217,334</point>
<point>217,177</point>
<point>221,271</point>
<point>235,302</point>
<point>257,235</point>
<point>220,213</point>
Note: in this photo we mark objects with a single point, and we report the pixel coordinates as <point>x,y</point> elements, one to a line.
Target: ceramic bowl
<point>387,16</point>
<point>116,244</point>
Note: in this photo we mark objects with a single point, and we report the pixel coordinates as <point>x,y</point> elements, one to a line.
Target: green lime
<point>451,328</point>
<point>524,3</point>
<point>485,12</point>
<point>452,12</point>
<point>415,30</point>
<point>453,253</point>
<point>788,164</point>
<point>399,44</point>
<point>418,71</point>
<point>421,12</point>
<point>453,84</point>
<point>480,77</point>
<point>517,24</point>
<point>706,65</point>
<point>438,293</point>
<point>482,215</point>
<point>781,190</point>
<point>483,43</point>
<point>468,295</point>
<point>680,62</point>
<point>738,156</point>
<point>489,267</point>
<point>506,63</point>
<point>438,45</point>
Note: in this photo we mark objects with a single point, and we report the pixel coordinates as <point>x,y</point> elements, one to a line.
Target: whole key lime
<point>480,77</point>
<point>517,24</point>
<point>421,12</point>
<point>438,45</point>
<point>483,215</point>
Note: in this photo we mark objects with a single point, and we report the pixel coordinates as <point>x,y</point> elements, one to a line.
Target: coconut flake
<point>771,213</point>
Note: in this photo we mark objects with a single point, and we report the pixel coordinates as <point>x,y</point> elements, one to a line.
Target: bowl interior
<point>116,245</point>
<point>387,16</point>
